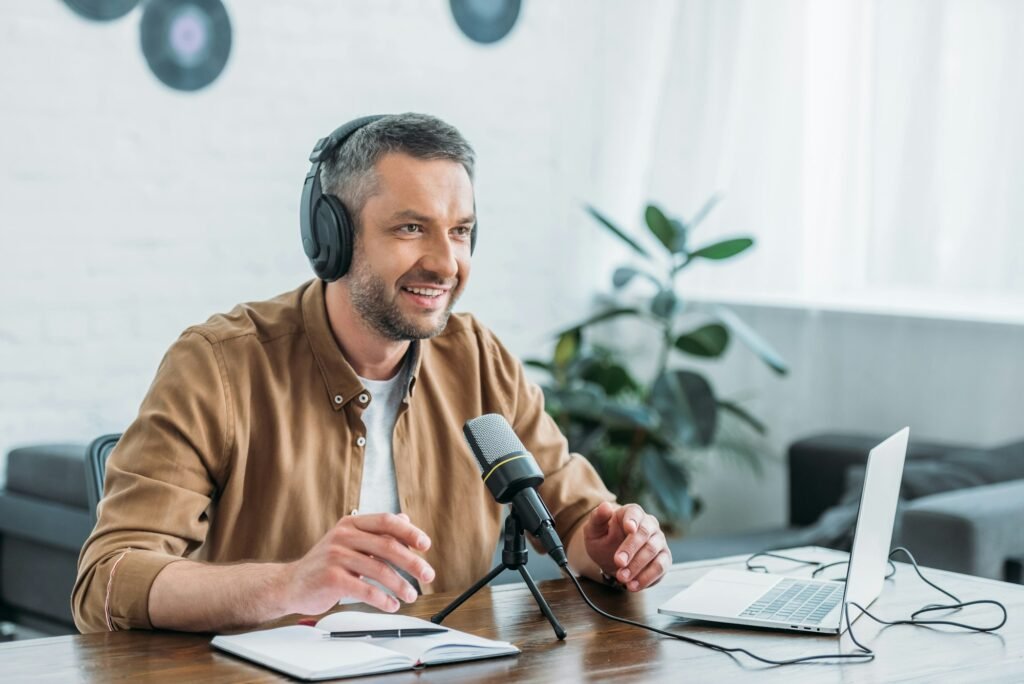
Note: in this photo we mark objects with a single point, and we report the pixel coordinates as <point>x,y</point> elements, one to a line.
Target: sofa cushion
<point>54,472</point>
<point>956,470</point>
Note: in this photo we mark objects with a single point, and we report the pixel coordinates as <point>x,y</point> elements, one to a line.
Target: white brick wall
<point>129,211</point>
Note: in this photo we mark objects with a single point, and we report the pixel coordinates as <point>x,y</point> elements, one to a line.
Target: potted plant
<point>641,435</point>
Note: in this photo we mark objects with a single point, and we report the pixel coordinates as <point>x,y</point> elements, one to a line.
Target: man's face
<point>411,260</point>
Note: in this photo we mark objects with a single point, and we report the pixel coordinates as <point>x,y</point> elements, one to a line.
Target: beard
<point>380,309</point>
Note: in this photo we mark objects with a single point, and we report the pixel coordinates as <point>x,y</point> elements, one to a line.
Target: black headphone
<point>327,231</point>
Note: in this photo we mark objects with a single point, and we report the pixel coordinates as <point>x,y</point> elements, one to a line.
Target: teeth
<point>425,291</point>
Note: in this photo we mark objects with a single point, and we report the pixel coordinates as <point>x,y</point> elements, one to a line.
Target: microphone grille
<point>491,437</point>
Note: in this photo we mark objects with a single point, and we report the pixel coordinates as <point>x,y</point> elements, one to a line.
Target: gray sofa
<point>963,510</point>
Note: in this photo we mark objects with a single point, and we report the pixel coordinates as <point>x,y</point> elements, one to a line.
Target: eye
<point>463,231</point>
<point>410,229</point>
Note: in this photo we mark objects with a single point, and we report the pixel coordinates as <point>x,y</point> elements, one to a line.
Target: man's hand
<point>627,544</point>
<point>355,549</point>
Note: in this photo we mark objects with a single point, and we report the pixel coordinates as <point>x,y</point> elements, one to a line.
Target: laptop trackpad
<point>721,592</point>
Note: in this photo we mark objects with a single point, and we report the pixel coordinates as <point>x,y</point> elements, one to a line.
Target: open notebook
<point>306,652</point>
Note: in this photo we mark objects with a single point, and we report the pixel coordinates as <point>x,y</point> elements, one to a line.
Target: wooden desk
<point>596,648</point>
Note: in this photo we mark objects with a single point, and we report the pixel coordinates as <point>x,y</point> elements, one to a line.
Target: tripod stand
<point>513,557</point>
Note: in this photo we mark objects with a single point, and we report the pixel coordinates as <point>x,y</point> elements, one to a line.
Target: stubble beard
<point>373,302</point>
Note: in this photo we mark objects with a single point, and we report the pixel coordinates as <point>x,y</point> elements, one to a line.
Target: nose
<point>441,258</point>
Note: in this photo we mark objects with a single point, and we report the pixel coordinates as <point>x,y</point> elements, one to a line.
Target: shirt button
<point>338,399</point>
<point>354,511</point>
<point>361,441</point>
<point>363,398</point>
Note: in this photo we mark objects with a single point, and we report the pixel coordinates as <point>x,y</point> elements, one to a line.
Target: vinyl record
<point>485,21</point>
<point>186,42</point>
<point>101,10</point>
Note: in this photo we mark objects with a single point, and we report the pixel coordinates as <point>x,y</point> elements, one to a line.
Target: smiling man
<point>308,449</point>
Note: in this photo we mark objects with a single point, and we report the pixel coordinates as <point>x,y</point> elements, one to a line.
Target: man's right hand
<point>354,550</point>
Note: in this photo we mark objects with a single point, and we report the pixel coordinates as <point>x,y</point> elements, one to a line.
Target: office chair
<point>96,468</point>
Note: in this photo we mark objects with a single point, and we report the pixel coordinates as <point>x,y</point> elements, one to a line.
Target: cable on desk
<point>821,567</point>
<point>864,653</point>
<point>856,657</point>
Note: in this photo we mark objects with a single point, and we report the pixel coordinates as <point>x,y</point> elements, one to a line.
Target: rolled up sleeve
<point>160,480</point>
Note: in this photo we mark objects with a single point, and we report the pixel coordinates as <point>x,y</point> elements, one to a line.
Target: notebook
<point>306,653</point>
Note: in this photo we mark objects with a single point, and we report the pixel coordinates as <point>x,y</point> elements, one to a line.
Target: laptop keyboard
<point>796,602</point>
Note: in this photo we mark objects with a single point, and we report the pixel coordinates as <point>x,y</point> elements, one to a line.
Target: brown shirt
<point>247,447</point>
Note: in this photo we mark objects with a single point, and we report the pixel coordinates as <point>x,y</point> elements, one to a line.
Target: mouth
<point>427,297</point>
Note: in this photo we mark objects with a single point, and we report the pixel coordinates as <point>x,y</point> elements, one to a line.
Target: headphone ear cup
<point>336,237</point>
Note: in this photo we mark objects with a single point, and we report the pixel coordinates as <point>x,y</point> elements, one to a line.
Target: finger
<point>371,595</point>
<point>645,527</point>
<point>644,556</point>
<point>597,524</point>
<point>379,571</point>
<point>653,573</point>
<point>388,548</point>
<point>394,525</point>
<point>630,516</point>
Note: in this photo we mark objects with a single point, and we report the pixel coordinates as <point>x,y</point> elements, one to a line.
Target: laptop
<point>758,599</point>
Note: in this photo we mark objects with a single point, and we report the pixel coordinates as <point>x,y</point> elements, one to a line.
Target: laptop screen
<point>873,535</point>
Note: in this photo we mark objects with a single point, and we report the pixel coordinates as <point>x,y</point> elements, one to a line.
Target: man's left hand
<point>627,544</point>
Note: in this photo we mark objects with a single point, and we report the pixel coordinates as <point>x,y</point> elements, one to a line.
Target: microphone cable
<point>864,653</point>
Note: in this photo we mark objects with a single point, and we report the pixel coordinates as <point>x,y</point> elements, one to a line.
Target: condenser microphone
<point>512,476</point>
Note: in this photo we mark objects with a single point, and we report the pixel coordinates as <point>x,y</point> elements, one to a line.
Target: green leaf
<point>602,316</point>
<point>682,235</point>
<point>611,376</point>
<point>617,232</point>
<point>750,338</point>
<point>659,224</point>
<point>704,211</point>
<point>663,305</point>
<point>741,413</point>
<point>709,341</point>
<point>723,249</point>
<point>689,412</point>
<point>537,363</point>
<point>632,417</point>
<point>668,482</point>
<point>566,348</point>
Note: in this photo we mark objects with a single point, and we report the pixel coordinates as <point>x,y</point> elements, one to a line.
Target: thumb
<point>597,525</point>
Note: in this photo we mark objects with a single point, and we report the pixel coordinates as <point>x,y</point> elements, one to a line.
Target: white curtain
<point>874,148</point>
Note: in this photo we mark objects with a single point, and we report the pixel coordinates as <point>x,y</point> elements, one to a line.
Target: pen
<point>387,633</point>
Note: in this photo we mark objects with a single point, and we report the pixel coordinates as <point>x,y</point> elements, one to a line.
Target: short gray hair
<point>349,174</point>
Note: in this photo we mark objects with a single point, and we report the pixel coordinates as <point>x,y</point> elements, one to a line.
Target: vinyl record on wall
<point>186,42</point>
<point>485,21</point>
<point>102,10</point>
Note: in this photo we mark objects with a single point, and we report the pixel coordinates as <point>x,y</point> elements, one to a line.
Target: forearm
<point>200,597</point>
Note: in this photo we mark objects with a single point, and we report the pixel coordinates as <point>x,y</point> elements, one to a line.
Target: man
<point>308,449</point>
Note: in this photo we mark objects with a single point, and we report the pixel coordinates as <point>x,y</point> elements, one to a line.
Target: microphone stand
<point>513,557</point>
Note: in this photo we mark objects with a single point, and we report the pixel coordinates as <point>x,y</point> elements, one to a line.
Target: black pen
<point>387,633</point>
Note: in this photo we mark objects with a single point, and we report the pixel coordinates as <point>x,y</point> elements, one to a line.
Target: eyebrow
<point>413,215</point>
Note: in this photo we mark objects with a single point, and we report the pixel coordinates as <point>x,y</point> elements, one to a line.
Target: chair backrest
<point>96,467</point>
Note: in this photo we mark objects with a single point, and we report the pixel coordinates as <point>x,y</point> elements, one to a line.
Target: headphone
<point>328,234</point>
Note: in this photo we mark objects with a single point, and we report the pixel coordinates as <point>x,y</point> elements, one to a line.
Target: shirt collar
<point>343,385</point>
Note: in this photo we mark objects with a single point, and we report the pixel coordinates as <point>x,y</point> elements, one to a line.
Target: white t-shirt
<point>378,492</point>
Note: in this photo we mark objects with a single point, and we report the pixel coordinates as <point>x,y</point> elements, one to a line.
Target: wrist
<point>278,588</point>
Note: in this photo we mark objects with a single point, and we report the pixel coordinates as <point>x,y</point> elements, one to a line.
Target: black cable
<point>865,654</point>
<point>820,566</point>
<point>856,657</point>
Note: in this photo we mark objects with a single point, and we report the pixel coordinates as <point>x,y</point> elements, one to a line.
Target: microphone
<point>512,476</point>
